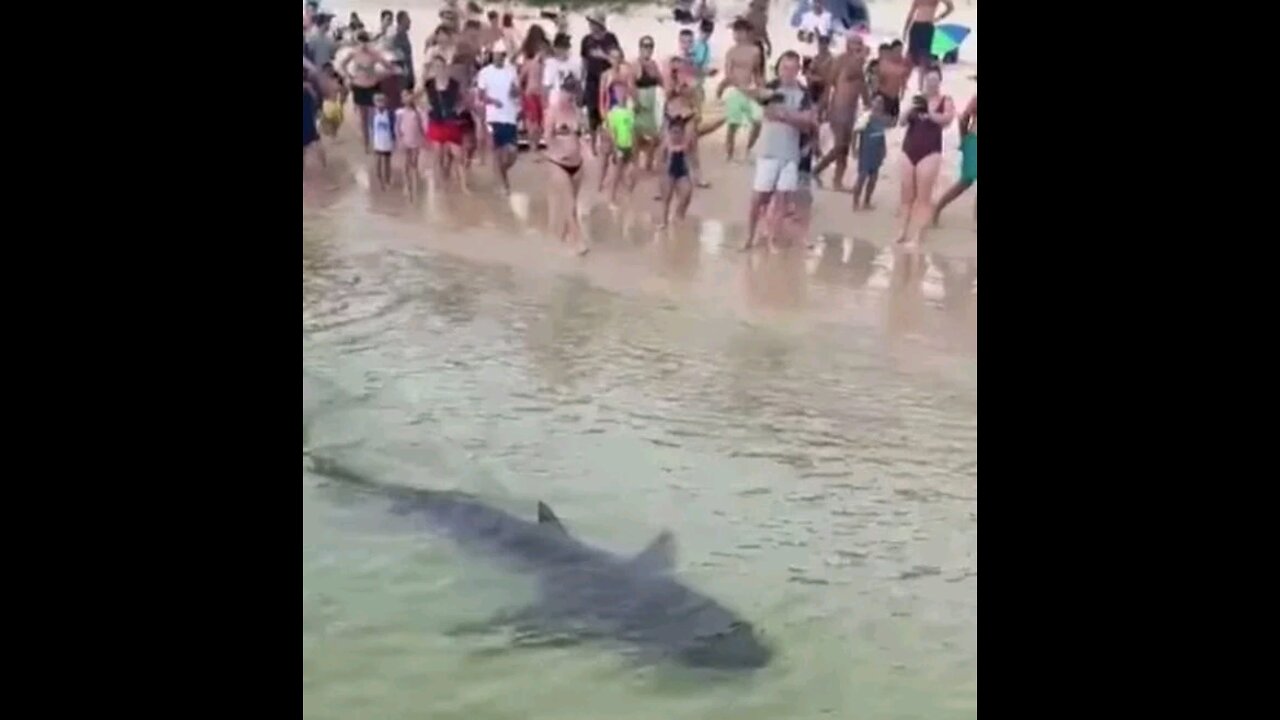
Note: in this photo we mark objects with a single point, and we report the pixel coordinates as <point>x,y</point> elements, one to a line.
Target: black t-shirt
<point>594,67</point>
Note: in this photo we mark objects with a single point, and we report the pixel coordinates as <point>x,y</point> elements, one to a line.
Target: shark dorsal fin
<point>546,517</point>
<point>659,555</point>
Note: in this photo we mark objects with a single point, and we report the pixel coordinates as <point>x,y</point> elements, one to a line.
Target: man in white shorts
<point>787,112</point>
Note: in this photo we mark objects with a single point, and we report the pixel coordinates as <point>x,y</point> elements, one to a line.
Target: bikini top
<point>646,78</point>
<point>444,103</point>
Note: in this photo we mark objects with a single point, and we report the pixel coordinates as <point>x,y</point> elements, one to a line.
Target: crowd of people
<point>486,87</point>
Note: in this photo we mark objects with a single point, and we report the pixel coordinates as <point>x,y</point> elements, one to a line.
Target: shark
<point>585,593</point>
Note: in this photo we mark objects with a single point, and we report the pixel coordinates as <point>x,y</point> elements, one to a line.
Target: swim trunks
<point>531,105</point>
<point>739,109</point>
<point>504,134</point>
<point>622,122</point>
<point>969,158</point>
<point>920,43</point>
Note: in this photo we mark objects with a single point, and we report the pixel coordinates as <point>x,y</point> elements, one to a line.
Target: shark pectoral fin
<point>546,517</point>
<point>500,622</point>
<point>660,555</point>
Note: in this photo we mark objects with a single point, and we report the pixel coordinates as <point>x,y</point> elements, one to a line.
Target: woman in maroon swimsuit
<point>922,154</point>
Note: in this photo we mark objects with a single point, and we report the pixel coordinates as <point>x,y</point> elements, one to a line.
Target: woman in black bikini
<point>564,164</point>
<point>647,130</point>
<point>922,154</point>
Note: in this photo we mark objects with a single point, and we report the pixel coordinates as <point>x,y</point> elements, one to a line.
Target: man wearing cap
<point>595,60</point>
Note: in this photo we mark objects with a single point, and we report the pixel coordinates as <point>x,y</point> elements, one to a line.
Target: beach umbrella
<point>947,38</point>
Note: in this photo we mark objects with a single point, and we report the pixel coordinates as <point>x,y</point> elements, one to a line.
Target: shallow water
<point>820,480</point>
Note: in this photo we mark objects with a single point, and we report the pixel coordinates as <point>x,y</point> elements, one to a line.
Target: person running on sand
<point>500,92</point>
<point>564,164</point>
<point>364,68</point>
<point>848,88</point>
<point>647,82</point>
<point>968,160</point>
<point>533,52</point>
<point>409,139</point>
<point>930,113</point>
<point>445,100</point>
<point>787,113</point>
<point>918,30</point>
<point>677,131</point>
<point>382,132</point>
<point>871,150</point>
<point>743,76</point>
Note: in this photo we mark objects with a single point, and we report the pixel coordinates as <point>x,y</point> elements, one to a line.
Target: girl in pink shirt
<point>409,138</point>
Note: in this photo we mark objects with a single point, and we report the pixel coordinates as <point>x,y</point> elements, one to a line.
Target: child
<point>869,136</point>
<point>331,110</point>
<point>677,131</point>
<point>383,136</point>
<point>409,138</point>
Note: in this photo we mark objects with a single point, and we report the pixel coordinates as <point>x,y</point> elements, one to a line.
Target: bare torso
<point>926,11</point>
<point>893,75</point>
<point>850,82</point>
<point>741,65</point>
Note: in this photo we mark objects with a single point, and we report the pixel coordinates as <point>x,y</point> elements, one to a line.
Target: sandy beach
<point>842,279</point>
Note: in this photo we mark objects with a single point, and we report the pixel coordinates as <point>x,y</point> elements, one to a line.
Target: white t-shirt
<point>555,70</point>
<point>496,82</point>
<point>816,24</point>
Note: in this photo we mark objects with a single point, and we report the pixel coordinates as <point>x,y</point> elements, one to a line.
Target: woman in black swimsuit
<point>647,130</point>
<point>564,164</point>
<point>922,154</point>
<point>679,127</point>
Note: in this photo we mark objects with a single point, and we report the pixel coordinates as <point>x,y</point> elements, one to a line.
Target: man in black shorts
<point>918,30</point>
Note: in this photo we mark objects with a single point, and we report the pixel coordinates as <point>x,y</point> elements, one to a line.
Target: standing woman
<point>930,113</point>
<point>564,163</point>
<point>647,82</point>
<point>364,68</point>
<point>615,91</point>
<point>445,99</point>
<point>533,53</point>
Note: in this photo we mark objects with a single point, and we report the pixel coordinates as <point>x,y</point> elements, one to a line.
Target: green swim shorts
<point>739,109</point>
<point>969,158</point>
<point>622,123</point>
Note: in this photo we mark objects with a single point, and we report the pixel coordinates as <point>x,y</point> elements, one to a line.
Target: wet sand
<point>853,275</point>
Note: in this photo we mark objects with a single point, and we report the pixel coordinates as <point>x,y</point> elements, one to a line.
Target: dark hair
<point>895,44</point>
<point>402,16</point>
<point>933,67</point>
<point>570,84</point>
<point>789,55</point>
<point>646,40</point>
<point>386,14</point>
<point>884,46</point>
<point>362,36</point>
<point>562,41</point>
<point>686,33</point>
<point>508,20</point>
<point>742,25</point>
<point>707,26</point>
<point>471,25</point>
<point>534,42</point>
<point>473,7</point>
<point>493,15</point>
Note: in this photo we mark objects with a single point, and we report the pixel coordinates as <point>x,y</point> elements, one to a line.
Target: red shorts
<point>531,104</point>
<point>444,132</point>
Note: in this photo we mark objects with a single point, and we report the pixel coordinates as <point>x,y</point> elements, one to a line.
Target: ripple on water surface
<point>813,485</point>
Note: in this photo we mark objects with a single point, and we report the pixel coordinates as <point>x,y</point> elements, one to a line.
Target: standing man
<point>500,94</point>
<point>403,48</point>
<point>918,30</point>
<point>595,60</point>
<point>320,42</point>
<point>787,114</point>
<point>892,73</point>
<point>386,22</point>
<point>848,87</point>
<point>742,77</point>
